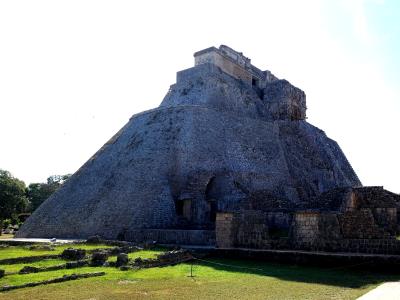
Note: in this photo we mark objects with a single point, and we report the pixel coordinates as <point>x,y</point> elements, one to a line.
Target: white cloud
<point>357,10</point>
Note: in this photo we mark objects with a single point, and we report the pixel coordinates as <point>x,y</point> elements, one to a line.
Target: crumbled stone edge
<point>68,265</point>
<point>27,259</point>
<point>164,259</point>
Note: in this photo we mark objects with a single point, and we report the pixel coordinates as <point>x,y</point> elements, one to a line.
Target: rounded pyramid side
<point>188,152</point>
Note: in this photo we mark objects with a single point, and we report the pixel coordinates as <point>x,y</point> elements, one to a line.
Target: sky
<point>72,73</point>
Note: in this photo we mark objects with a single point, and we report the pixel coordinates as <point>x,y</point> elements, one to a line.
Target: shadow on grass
<point>347,277</point>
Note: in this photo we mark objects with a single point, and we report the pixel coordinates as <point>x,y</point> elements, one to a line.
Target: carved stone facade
<point>235,64</point>
<point>282,98</point>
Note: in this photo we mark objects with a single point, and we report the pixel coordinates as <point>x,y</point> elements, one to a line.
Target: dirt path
<point>386,291</point>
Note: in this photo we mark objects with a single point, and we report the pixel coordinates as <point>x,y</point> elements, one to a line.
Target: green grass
<point>18,251</point>
<point>221,279</point>
<point>39,264</point>
<point>142,254</point>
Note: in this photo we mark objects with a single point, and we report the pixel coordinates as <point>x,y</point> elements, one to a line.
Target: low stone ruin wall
<point>27,259</point>
<point>353,231</point>
<point>164,259</point>
<point>172,236</point>
<point>305,227</point>
<point>360,224</point>
<point>356,224</point>
<point>368,246</point>
<point>247,229</point>
<point>308,258</point>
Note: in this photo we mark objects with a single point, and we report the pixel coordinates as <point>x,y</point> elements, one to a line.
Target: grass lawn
<point>38,264</point>
<point>221,279</point>
<point>142,254</point>
<point>18,251</point>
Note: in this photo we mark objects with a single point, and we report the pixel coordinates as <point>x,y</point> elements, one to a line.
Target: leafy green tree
<point>13,198</point>
<point>58,179</point>
<point>38,192</point>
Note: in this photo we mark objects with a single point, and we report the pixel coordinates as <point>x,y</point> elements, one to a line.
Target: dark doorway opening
<point>210,188</point>
<point>179,208</point>
<point>210,194</point>
<point>213,210</point>
<point>254,81</point>
<point>184,208</point>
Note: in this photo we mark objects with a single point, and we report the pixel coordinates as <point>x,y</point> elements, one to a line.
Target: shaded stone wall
<point>251,229</point>
<point>335,260</point>
<point>356,230</point>
<point>246,228</point>
<point>224,230</point>
<point>305,227</point>
<point>279,220</point>
<point>379,203</point>
<point>311,227</point>
<point>360,224</point>
<point>374,197</point>
<point>172,236</point>
<point>285,100</point>
<point>371,246</point>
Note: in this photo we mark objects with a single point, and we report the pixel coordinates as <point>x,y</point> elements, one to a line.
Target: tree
<point>38,192</point>
<point>58,179</point>
<point>13,198</point>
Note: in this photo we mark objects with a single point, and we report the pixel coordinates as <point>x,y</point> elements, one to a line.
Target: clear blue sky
<point>73,72</point>
<point>376,36</point>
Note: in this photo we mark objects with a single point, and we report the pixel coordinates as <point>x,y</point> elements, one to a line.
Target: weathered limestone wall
<point>245,229</point>
<point>354,230</point>
<point>312,227</point>
<point>305,227</point>
<point>316,258</point>
<point>279,220</point>
<point>386,217</point>
<point>285,100</point>
<point>224,230</point>
<point>172,236</point>
<point>226,65</point>
<point>360,224</point>
<point>371,246</point>
<point>237,57</point>
<point>374,196</point>
<point>368,212</point>
<point>251,229</point>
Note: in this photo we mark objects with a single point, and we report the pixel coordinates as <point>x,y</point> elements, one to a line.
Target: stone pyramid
<point>227,136</point>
